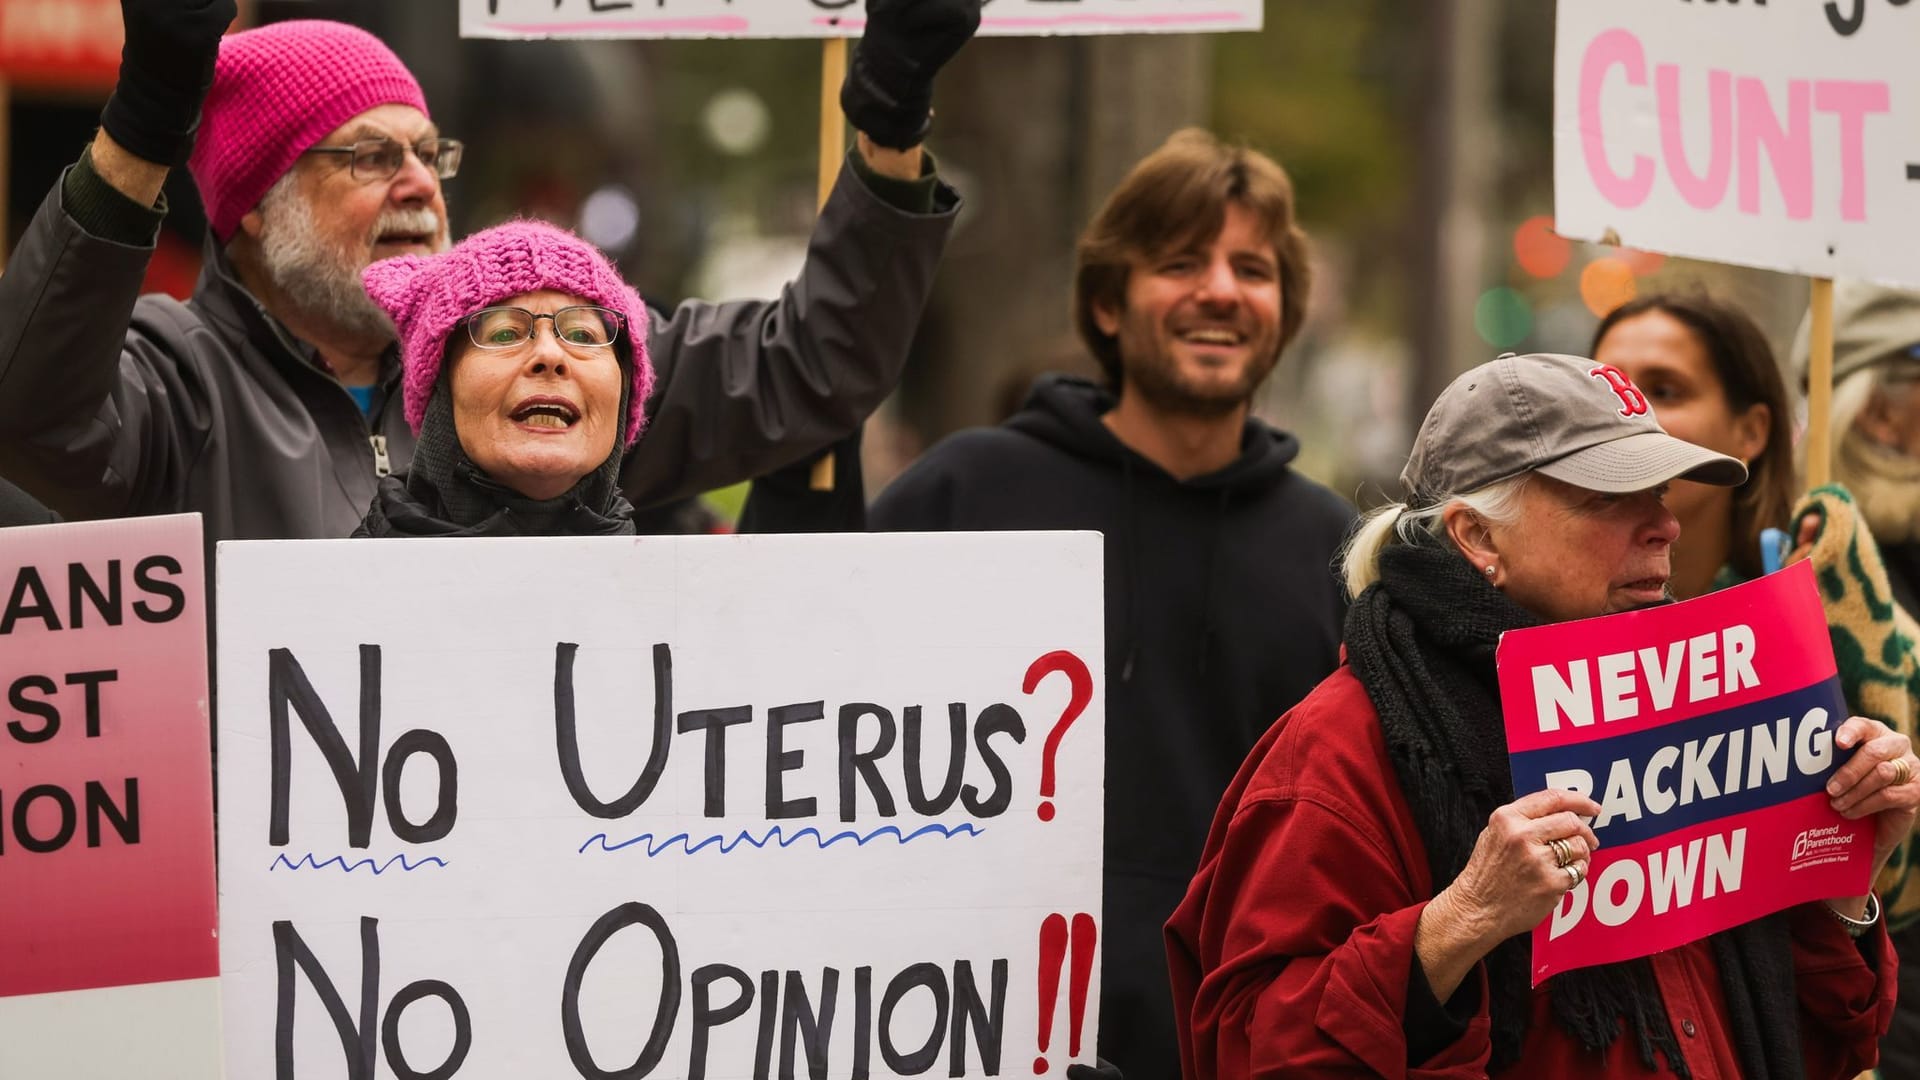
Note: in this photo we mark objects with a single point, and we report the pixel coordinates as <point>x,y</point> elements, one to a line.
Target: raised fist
<point>165,69</point>
<point>889,89</point>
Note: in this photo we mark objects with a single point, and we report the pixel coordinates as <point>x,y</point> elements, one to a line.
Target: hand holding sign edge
<point>1881,778</point>
<point>1510,884</point>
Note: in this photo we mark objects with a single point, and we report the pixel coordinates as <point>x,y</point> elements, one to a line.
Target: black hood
<point>1066,411</point>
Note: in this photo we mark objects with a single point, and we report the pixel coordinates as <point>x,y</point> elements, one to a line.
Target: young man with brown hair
<point>1222,609</point>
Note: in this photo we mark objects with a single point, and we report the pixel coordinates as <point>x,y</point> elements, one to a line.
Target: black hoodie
<point>1223,610</point>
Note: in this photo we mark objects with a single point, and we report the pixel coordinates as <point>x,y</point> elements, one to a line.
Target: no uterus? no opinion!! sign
<point>720,807</point>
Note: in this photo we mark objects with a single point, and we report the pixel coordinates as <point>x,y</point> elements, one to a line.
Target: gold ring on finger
<point>1903,772</point>
<point>1562,851</point>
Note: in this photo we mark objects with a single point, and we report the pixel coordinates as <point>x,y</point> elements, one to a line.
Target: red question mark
<point>1082,679</point>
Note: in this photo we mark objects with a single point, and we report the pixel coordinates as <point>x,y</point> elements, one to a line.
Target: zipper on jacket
<point>382,465</point>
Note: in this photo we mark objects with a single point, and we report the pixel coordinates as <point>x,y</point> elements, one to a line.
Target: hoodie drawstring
<point>1213,566</point>
<point>1128,584</point>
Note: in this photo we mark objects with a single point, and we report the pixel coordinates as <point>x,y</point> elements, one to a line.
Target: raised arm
<point>80,398</point>
<point>747,387</point>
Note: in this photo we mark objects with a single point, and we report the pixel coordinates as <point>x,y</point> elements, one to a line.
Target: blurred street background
<point>1418,133</point>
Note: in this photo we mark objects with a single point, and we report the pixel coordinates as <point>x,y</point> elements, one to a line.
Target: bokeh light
<point>1503,317</point>
<point>737,121</point>
<point>609,218</point>
<point>1539,250</point>
<point>1605,284</point>
<point>1642,262</point>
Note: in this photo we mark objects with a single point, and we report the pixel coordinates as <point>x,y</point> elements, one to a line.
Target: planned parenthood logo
<point>1818,847</point>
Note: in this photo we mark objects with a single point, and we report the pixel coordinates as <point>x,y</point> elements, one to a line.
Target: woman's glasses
<point>512,327</point>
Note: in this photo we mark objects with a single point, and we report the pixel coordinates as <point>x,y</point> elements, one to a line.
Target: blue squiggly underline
<point>777,835</point>
<point>307,862</point>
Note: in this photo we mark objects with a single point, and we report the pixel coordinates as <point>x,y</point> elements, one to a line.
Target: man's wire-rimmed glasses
<point>380,159</point>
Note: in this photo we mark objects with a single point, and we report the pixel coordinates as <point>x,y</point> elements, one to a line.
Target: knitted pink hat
<point>428,295</point>
<point>278,90</point>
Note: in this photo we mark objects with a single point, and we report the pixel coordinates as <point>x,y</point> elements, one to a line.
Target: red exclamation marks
<point>1083,942</point>
<point>1053,950</point>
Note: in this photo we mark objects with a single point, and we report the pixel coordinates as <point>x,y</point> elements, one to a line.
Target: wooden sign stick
<point>833,147</point>
<point>1820,385</point>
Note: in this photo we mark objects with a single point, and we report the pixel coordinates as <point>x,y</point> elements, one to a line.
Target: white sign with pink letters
<point>1784,136</point>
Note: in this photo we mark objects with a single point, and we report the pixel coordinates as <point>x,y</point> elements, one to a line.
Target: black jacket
<point>1223,610</point>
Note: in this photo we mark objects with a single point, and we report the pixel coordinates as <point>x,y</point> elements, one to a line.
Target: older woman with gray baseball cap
<point>1364,901</point>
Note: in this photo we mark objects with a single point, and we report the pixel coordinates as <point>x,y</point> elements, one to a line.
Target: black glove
<point>1102,1070</point>
<point>165,69</point>
<point>889,89</point>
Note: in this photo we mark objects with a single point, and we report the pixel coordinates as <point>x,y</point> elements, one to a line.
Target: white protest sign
<point>1784,136</point>
<point>662,807</point>
<point>835,18</point>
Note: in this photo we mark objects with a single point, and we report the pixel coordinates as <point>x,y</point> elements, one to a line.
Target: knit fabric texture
<point>278,90</point>
<point>428,295</point>
<point>1874,643</point>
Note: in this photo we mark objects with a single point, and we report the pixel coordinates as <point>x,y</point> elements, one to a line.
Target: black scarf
<point>443,493</point>
<point>1422,642</point>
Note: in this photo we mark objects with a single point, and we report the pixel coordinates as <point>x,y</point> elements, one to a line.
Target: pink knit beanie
<point>278,90</point>
<point>428,295</point>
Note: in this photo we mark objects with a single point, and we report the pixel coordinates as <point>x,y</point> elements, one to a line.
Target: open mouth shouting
<point>545,414</point>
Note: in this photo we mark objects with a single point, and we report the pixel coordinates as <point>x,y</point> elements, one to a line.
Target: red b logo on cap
<point>1632,401</point>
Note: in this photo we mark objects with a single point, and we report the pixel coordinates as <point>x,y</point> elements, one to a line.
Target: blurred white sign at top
<point>828,18</point>
<point>1784,136</point>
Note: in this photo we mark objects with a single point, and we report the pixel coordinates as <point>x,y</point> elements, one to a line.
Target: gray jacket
<point>116,404</point>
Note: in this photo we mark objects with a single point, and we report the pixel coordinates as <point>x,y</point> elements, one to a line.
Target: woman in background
<point>1711,379</point>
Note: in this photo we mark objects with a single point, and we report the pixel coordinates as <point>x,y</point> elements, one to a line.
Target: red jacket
<point>1291,952</point>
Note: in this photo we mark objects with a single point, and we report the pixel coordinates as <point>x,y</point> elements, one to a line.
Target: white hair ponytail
<point>1360,562</point>
<point>1497,504</point>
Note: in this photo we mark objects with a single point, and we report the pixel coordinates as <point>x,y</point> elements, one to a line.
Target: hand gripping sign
<point>718,807</point>
<point>1705,731</point>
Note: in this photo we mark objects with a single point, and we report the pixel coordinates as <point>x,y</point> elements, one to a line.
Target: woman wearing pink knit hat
<point>524,382</point>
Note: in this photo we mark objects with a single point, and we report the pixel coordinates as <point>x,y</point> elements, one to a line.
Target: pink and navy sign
<point>1705,731</point>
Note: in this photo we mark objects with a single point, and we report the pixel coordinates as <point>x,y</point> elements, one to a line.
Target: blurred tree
<point>1036,131</point>
<point>1324,89</point>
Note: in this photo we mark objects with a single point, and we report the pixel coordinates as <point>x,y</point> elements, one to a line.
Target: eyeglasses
<point>380,159</point>
<point>512,327</point>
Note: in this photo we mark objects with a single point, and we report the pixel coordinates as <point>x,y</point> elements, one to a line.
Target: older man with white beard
<point>268,401</point>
